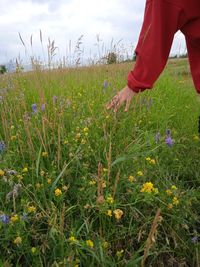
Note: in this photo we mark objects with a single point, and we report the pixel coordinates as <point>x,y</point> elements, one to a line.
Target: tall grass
<point>82,186</point>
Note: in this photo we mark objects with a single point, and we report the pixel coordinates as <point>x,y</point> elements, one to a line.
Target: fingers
<point>113,102</point>
<point>118,105</point>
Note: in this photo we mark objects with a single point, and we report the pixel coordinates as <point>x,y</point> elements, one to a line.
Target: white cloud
<point>66,20</point>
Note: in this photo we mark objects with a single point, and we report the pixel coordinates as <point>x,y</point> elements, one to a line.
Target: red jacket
<point>162,19</point>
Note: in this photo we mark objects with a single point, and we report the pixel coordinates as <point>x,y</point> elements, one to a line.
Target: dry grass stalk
<point>29,137</point>
<point>109,159</point>
<point>100,197</point>
<point>151,237</point>
<point>41,139</point>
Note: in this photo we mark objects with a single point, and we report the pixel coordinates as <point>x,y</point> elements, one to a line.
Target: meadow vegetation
<point>83,186</point>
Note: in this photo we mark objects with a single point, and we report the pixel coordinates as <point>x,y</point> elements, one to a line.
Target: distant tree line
<point>3,69</point>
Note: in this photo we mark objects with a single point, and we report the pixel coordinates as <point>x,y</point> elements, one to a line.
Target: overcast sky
<point>65,20</point>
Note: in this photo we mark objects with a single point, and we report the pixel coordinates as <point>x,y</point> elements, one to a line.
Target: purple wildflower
<point>2,147</point>
<point>169,141</point>
<point>4,218</point>
<point>34,108</point>
<point>43,107</point>
<point>105,84</point>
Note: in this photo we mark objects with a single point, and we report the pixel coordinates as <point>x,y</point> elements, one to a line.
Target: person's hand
<point>125,95</point>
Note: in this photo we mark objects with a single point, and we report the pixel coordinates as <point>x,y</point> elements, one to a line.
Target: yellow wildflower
<point>131,178</point>
<point>2,172</point>
<point>105,170</point>
<point>44,154</point>
<point>118,214</point>
<point>14,218</point>
<point>18,240</point>
<point>92,182</point>
<point>148,159</point>
<point>175,201</point>
<point>31,209</point>
<point>66,142</point>
<point>25,169</point>
<point>90,243</point>
<point>119,253</point>
<point>140,173</point>
<point>109,213</point>
<point>148,187</point>
<point>33,250</point>
<point>107,116</point>
<point>57,192</point>
<point>174,187</point>
<point>86,129</point>
<point>72,239</point>
<point>153,161</point>
<point>12,127</point>
<point>110,200</point>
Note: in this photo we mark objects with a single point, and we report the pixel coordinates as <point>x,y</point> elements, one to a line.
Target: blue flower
<point>105,84</point>
<point>169,141</point>
<point>4,218</point>
<point>34,108</point>
<point>2,147</point>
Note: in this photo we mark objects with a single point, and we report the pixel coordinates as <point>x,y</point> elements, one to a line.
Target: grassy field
<point>82,186</point>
